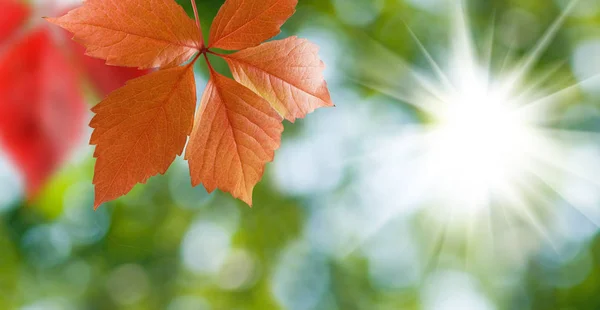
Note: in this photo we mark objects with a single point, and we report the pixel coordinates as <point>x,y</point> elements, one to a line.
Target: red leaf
<point>41,108</point>
<point>13,15</point>
<point>103,77</point>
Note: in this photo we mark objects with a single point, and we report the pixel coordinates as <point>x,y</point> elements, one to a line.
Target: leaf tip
<point>247,200</point>
<point>99,199</point>
<point>97,204</point>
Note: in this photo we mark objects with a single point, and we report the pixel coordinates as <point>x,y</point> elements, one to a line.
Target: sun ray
<point>510,222</point>
<point>547,101</point>
<point>532,58</point>
<point>440,74</point>
<point>432,256</point>
<point>550,182</point>
<point>488,51</point>
<point>567,134</point>
<point>518,206</point>
<point>462,43</point>
<point>573,171</point>
<point>391,92</point>
<point>488,218</point>
<point>470,234</point>
<point>386,68</point>
<point>534,87</point>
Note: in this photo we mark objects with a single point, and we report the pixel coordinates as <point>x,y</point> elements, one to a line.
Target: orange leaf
<point>140,128</point>
<point>242,23</point>
<point>235,134</point>
<point>134,33</point>
<point>287,73</point>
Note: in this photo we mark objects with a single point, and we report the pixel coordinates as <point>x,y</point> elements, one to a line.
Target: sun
<point>488,144</point>
<point>479,143</point>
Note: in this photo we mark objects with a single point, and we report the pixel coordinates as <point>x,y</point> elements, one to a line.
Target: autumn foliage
<point>140,128</point>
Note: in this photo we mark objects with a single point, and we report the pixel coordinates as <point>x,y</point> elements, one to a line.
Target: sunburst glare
<point>489,143</point>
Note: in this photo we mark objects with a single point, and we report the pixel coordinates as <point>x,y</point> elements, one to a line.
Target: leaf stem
<point>194,59</point>
<point>216,54</point>
<point>198,22</point>
<point>208,62</point>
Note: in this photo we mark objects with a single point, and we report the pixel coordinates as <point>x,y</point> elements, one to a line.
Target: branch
<point>198,22</point>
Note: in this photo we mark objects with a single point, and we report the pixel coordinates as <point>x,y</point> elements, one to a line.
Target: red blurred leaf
<point>12,15</point>
<point>41,108</point>
<point>104,78</point>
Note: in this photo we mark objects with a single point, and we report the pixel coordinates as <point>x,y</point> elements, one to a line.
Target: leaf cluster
<point>140,128</point>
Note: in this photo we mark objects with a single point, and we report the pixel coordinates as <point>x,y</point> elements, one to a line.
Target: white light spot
<point>205,247</point>
<point>301,278</point>
<point>47,245</point>
<point>586,63</point>
<point>239,271</point>
<point>128,284</point>
<point>358,12</point>
<point>11,183</point>
<point>451,291</point>
<point>478,145</point>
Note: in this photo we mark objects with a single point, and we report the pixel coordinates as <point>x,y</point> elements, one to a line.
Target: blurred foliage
<point>169,246</point>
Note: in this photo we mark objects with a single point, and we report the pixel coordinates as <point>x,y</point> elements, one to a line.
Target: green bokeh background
<point>169,246</point>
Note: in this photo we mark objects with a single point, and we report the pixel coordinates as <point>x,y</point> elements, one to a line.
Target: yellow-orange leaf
<point>235,134</point>
<point>241,23</point>
<point>134,33</point>
<point>140,128</point>
<point>287,73</point>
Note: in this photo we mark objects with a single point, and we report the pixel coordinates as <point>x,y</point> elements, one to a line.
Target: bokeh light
<point>409,194</point>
